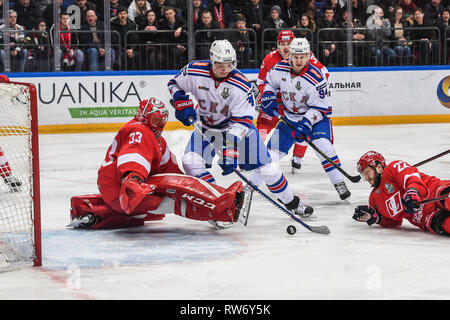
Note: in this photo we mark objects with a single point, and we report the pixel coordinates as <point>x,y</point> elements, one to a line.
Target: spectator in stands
<point>290,13</point>
<point>358,39</point>
<point>387,6</point>
<point>94,41</point>
<point>137,10</point>
<point>328,53</point>
<point>305,22</point>
<point>222,13</point>
<point>336,5</point>
<point>204,39</point>
<point>308,8</point>
<point>433,10</point>
<point>379,31</point>
<point>27,13</point>
<point>401,36</point>
<point>254,13</point>
<point>151,55</point>
<point>443,25</point>
<point>48,12</point>
<point>2,21</point>
<point>113,5</point>
<point>408,8</point>
<point>84,6</point>
<point>71,56</point>
<point>274,22</point>
<point>18,54</point>
<point>358,11</point>
<point>159,6</point>
<point>39,47</point>
<point>241,42</point>
<point>197,10</point>
<point>424,38</point>
<point>128,51</point>
<point>176,51</point>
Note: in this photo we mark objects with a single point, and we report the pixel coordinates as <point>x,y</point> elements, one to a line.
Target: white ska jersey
<point>225,105</point>
<point>305,94</point>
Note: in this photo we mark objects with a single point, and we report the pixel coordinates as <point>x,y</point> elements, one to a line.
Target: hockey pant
<point>182,195</point>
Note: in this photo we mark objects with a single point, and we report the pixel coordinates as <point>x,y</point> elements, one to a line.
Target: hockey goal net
<point>20,230</point>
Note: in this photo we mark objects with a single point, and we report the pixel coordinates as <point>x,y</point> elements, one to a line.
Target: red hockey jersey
<point>397,177</point>
<point>134,149</point>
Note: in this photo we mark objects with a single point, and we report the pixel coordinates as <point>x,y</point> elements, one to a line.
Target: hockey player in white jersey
<point>225,111</point>
<point>304,92</point>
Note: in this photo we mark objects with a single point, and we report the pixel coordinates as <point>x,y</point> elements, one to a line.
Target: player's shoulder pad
<point>313,74</point>
<point>198,68</point>
<point>283,66</point>
<point>239,80</point>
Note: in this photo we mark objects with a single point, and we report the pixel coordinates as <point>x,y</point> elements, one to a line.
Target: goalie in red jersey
<point>398,190</point>
<point>140,181</point>
<point>264,122</point>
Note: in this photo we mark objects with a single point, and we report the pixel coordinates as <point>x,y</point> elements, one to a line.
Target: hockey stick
<point>320,229</point>
<point>432,158</point>
<point>353,179</point>
<point>442,197</point>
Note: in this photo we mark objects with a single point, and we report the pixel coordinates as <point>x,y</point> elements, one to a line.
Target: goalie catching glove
<point>367,214</point>
<point>133,191</point>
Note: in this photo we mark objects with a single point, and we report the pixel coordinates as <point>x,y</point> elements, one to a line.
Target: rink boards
<point>103,101</point>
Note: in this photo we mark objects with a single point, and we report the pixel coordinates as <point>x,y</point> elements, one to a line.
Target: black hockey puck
<point>291,230</point>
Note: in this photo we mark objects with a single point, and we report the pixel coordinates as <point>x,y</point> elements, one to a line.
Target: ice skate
<point>82,222</point>
<point>296,164</point>
<point>243,202</point>
<point>13,184</point>
<point>341,188</point>
<point>301,209</point>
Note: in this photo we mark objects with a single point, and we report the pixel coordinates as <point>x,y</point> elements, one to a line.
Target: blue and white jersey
<point>304,94</point>
<point>222,105</point>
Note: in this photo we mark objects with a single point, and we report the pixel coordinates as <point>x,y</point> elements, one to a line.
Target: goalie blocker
<point>140,181</point>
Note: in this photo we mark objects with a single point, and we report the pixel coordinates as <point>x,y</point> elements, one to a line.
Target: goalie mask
<point>154,114</point>
<point>222,54</point>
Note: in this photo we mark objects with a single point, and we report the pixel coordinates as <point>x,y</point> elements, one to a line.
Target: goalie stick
<point>353,179</point>
<point>315,229</point>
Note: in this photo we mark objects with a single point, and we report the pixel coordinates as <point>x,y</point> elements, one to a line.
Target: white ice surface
<point>178,258</point>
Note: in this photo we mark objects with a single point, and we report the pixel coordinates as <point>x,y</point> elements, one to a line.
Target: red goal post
<point>20,210</point>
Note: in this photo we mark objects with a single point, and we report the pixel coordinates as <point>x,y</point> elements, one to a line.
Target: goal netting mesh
<point>17,196</point>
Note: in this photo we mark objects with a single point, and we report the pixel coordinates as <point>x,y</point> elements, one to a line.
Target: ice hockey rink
<point>177,258</point>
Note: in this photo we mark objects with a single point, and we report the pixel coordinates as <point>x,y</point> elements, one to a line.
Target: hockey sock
<point>300,149</point>
<point>207,176</point>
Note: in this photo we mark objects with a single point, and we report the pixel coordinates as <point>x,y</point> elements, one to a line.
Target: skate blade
<point>246,204</point>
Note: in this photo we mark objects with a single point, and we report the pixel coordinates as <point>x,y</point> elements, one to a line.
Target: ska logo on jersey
<point>394,204</point>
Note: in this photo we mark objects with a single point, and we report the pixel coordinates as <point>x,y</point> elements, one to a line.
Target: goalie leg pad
<point>105,216</point>
<point>197,199</point>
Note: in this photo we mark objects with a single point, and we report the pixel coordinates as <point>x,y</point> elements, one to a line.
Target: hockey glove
<point>367,214</point>
<point>184,111</point>
<point>303,130</point>
<point>411,201</point>
<point>230,155</point>
<point>133,191</point>
<point>269,103</point>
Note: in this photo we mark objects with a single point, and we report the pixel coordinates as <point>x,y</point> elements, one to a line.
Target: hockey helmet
<point>299,45</point>
<point>222,51</point>
<point>285,36</point>
<point>370,158</point>
<point>154,114</point>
